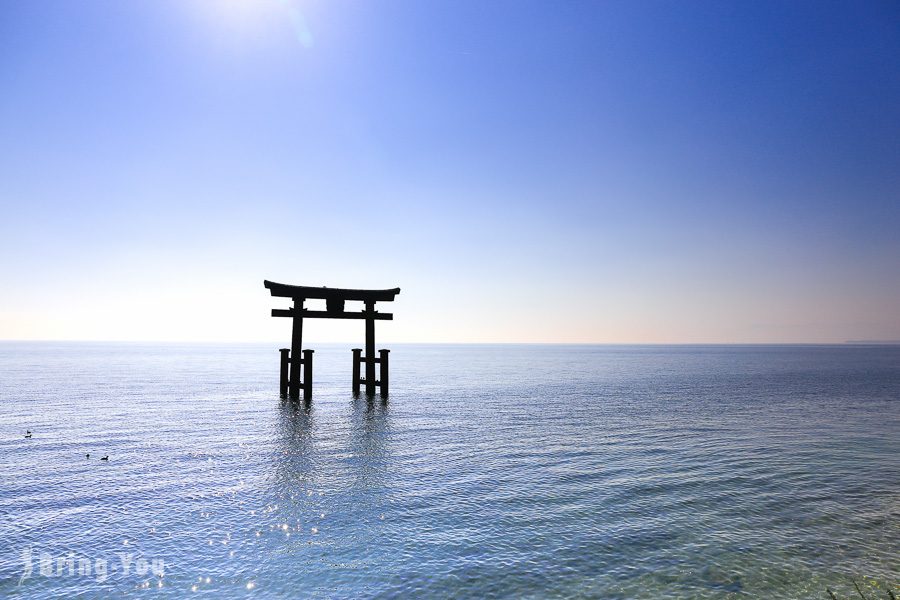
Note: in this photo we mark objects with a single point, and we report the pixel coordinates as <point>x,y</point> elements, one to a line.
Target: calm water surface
<point>493,471</point>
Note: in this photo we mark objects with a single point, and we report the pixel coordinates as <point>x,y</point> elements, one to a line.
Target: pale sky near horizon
<point>610,172</point>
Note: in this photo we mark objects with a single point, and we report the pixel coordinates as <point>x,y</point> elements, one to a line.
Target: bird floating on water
<point>27,434</point>
<point>88,455</point>
<point>105,457</point>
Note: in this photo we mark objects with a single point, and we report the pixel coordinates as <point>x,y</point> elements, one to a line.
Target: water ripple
<point>629,472</point>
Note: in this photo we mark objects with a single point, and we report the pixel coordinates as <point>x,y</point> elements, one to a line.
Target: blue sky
<point>525,172</point>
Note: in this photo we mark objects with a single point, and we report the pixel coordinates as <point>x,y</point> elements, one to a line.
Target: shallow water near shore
<point>492,471</point>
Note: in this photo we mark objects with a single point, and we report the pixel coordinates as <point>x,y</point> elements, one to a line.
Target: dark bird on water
<point>105,457</point>
<point>87,455</point>
<point>27,434</point>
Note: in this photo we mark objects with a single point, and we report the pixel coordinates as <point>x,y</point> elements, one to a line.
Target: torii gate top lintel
<point>284,290</point>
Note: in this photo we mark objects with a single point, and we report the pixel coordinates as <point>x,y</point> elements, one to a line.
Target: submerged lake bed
<point>492,471</point>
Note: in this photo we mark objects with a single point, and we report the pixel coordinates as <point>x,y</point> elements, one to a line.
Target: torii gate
<point>334,309</point>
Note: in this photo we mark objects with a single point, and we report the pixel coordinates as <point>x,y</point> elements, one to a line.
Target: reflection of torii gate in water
<point>334,309</point>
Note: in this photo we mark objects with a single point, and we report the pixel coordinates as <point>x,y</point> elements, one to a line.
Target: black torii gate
<point>334,309</point>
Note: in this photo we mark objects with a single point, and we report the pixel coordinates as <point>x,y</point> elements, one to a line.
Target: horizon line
<point>443,343</point>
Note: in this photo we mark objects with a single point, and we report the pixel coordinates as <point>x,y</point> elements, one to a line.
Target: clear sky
<point>525,172</point>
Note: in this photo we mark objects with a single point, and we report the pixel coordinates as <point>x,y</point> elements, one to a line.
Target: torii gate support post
<point>383,363</point>
<point>285,357</point>
<point>307,374</point>
<point>357,358</point>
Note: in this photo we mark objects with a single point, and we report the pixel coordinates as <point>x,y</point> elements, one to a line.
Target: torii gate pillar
<point>296,349</point>
<point>370,348</point>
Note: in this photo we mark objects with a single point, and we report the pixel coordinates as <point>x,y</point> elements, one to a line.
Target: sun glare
<point>256,18</point>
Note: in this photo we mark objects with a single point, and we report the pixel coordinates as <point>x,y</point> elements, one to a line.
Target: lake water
<point>491,472</point>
